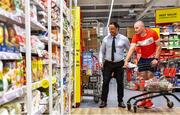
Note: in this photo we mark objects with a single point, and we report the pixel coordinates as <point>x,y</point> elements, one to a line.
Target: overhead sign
<point>167,15</point>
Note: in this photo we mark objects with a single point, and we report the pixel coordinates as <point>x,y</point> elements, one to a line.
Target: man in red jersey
<point>149,43</point>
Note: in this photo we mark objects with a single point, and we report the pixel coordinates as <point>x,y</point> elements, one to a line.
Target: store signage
<point>157,30</point>
<point>76,17</point>
<point>167,15</point>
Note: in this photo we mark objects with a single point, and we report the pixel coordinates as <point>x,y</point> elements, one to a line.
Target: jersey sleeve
<point>134,39</point>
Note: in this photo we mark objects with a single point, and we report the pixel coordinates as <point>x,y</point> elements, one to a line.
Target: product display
<point>170,35</point>
<point>13,83</point>
<point>49,56</point>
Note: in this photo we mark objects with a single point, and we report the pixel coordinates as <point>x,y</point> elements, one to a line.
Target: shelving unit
<point>45,60</point>
<point>170,36</point>
<point>170,39</point>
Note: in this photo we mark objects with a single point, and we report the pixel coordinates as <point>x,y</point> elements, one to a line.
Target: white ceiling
<point>124,11</point>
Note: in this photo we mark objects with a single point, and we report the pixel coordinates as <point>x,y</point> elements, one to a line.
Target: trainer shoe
<point>149,104</point>
<point>141,104</point>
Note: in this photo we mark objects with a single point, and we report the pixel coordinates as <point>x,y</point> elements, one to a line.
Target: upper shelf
<point>170,33</point>
<point>19,19</point>
<point>35,2</point>
<point>10,56</point>
<point>171,47</point>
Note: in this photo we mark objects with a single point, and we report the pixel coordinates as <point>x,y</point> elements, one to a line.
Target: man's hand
<point>101,65</point>
<point>154,62</point>
<point>126,64</point>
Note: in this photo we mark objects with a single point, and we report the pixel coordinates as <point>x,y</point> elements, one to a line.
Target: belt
<point>114,62</point>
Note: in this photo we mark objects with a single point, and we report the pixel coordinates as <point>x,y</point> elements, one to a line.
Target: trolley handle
<point>144,65</point>
<point>134,66</point>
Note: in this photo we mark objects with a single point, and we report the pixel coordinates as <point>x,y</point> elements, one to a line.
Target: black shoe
<point>103,104</point>
<point>122,105</point>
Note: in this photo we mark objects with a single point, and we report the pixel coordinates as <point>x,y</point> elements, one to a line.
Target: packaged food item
<point>6,5</point>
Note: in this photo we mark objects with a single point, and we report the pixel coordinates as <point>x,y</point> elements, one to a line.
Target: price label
<point>54,80</point>
<point>34,86</point>
<point>45,83</point>
<point>170,47</point>
<point>37,85</point>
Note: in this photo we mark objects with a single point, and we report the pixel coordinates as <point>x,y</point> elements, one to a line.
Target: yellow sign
<point>45,83</point>
<point>168,15</point>
<point>76,17</point>
<point>157,30</point>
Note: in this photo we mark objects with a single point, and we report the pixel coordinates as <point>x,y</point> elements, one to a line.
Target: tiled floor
<point>88,106</point>
<point>88,102</point>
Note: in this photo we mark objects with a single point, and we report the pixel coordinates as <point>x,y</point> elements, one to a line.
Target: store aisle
<point>112,98</point>
<point>88,106</point>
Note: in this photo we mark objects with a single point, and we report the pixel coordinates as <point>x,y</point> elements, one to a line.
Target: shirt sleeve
<point>102,51</point>
<point>134,39</point>
<point>127,43</point>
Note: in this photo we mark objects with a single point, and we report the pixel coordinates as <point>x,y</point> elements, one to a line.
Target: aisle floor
<point>88,106</point>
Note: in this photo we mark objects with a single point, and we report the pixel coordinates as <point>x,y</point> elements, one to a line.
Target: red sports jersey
<point>146,43</point>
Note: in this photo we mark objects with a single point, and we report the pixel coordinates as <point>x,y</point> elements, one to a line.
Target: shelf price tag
<point>34,86</point>
<point>170,48</point>
<point>45,83</point>
<point>37,85</point>
<point>54,80</point>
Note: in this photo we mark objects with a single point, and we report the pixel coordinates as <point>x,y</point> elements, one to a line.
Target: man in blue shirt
<point>111,58</point>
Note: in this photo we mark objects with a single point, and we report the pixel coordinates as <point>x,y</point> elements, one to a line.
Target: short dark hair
<point>115,24</point>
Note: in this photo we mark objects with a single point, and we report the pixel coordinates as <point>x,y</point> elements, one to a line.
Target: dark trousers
<point>144,64</point>
<point>108,69</point>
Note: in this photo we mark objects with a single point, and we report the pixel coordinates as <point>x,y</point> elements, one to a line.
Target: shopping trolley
<point>155,89</point>
<point>91,82</point>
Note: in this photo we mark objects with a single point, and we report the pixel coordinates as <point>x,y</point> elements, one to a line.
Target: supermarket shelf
<point>10,56</point>
<point>177,73</point>
<point>163,61</point>
<point>19,92</point>
<point>53,61</point>
<point>12,95</point>
<point>19,19</point>
<point>171,47</point>
<point>170,33</point>
<point>35,2</point>
<point>36,85</point>
<point>43,105</point>
<point>33,53</point>
<point>45,40</point>
<point>10,18</point>
<point>54,23</point>
<point>42,83</point>
<point>42,109</point>
<point>56,43</point>
<point>162,40</point>
<point>35,25</point>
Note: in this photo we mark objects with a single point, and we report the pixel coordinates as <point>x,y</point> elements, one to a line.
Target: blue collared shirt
<point>121,43</point>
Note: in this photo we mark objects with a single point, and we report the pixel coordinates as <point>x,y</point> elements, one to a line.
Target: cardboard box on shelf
<point>90,39</point>
<point>130,32</point>
<point>93,31</point>
<point>92,44</point>
<point>85,33</point>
